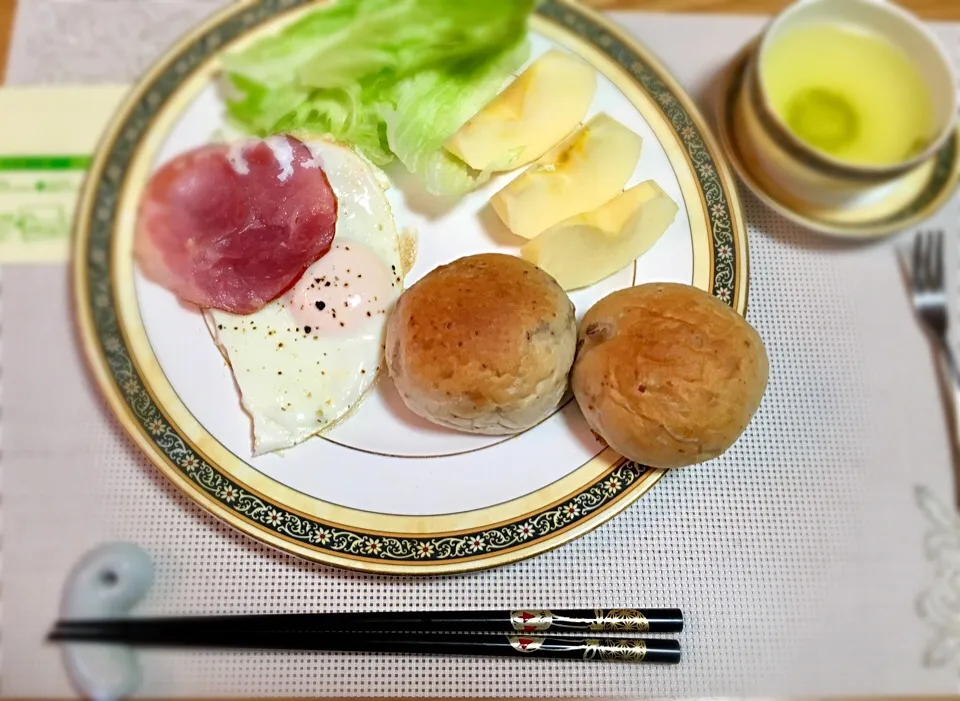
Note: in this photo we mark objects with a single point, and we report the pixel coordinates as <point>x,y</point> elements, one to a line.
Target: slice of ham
<point>234,227</point>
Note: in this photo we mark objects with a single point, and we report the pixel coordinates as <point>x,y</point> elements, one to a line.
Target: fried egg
<point>305,360</point>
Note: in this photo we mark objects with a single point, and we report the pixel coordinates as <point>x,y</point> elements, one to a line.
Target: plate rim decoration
<point>558,516</point>
<point>935,192</point>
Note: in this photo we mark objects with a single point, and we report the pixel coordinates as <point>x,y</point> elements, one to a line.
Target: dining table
<point>820,557</point>
<point>928,9</point>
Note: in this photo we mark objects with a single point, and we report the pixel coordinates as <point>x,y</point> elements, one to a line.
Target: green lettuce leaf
<point>348,114</point>
<point>393,78</point>
<point>347,40</point>
<point>424,110</point>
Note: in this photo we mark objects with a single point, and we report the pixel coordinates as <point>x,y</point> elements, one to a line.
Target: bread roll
<point>483,344</point>
<point>667,374</point>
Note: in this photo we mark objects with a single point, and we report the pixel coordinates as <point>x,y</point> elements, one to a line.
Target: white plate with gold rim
<point>383,491</point>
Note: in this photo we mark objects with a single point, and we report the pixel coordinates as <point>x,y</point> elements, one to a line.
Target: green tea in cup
<point>850,93</point>
<point>858,89</point>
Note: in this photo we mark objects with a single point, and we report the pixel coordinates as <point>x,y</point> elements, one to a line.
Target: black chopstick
<point>518,645</point>
<point>642,620</point>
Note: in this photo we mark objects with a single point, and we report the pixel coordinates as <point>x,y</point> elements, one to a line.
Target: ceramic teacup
<point>811,174</point>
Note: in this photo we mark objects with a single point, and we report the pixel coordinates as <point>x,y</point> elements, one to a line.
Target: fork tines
<point>928,261</point>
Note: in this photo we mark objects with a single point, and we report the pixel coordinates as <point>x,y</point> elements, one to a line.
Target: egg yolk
<point>344,290</point>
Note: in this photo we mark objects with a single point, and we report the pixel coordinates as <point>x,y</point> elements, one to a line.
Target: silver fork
<point>928,290</point>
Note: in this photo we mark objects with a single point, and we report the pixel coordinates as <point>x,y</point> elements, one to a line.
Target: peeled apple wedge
<point>544,104</point>
<point>579,174</point>
<point>585,249</point>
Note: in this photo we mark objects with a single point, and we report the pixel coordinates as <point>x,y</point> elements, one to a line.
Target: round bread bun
<point>483,344</point>
<point>667,374</point>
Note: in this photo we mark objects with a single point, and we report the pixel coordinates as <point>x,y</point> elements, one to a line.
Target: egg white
<point>293,384</point>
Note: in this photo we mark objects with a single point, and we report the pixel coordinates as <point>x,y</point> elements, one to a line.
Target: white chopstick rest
<point>107,583</point>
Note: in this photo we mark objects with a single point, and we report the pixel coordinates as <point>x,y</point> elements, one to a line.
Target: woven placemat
<point>798,557</point>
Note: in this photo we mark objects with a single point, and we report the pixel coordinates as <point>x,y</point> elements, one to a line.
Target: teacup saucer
<point>896,207</point>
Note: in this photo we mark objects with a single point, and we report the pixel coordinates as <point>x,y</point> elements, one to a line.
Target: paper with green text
<point>47,139</point>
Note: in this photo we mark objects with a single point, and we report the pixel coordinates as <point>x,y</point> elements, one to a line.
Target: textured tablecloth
<point>803,558</point>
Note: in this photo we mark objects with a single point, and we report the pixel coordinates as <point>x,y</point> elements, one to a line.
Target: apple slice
<point>579,174</point>
<point>544,104</point>
<point>585,249</point>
